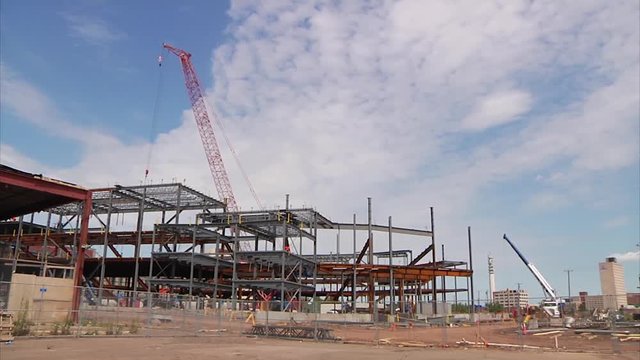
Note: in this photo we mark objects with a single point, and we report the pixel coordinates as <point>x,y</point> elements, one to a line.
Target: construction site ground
<point>242,347</point>
<point>420,336</point>
<point>225,340</point>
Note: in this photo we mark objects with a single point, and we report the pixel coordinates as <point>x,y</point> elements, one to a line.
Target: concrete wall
<point>50,306</point>
<point>427,309</point>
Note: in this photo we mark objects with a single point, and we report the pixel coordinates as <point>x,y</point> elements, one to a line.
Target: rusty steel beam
<point>358,261</point>
<point>114,250</point>
<point>80,250</point>
<point>422,254</point>
<point>383,270</point>
<point>45,185</point>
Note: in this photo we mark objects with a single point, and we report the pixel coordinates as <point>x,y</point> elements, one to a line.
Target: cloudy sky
<point>517,117</point>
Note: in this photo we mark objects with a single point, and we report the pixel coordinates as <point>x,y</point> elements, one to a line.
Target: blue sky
<point>509,117</point>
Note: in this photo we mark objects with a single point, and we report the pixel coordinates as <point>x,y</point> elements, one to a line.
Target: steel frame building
<point>241,256</point>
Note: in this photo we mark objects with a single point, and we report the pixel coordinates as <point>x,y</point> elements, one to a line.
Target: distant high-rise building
<point>612,284</point>
<point>590,302</point>
<point>511,298</point>
<point>492,279</point>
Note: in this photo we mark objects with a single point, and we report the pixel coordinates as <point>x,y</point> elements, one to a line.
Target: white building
<point>511,298</point>
<point>492,278</point>
<point>612,284</point>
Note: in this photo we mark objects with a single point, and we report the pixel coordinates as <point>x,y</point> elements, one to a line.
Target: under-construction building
<point>183,241</point>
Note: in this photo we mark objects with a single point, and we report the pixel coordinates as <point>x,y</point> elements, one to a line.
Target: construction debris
<point>212,330</point>
<point>488,344</point>
<point>548,333</point>
<point>602,331</point>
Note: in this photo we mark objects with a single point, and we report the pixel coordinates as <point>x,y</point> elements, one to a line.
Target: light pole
<point>569,271</point>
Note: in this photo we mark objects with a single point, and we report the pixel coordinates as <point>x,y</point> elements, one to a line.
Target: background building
<point>511,298</point>
<point>590,302</point>
<point>612,284</point>
<point>492,278</point>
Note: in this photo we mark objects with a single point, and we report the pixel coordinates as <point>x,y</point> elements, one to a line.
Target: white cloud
<point>497,109</point>
<point>28,103</point>
<point>367,99</point>
<point>92,30</point>
<point>631,256</point>
<point>547,200</point>
<point>11,157</point>
<point>617,222</point>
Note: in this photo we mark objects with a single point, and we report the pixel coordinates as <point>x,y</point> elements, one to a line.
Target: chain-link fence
<point>40,310</point>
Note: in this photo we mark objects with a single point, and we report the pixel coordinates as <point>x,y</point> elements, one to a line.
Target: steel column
<point>473,310</point>
<point>139,241</point>
<point>433,265</point>
<point>104,248</point>
<point>354,283</point>
<point>45,251</point>
<point>392,295</point>
<point>84,230</point>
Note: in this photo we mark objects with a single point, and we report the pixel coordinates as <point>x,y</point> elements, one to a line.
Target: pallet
<point>6,327</point>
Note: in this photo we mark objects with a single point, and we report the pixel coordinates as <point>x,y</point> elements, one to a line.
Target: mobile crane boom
<point>534,270</point>
<point>550,305</point>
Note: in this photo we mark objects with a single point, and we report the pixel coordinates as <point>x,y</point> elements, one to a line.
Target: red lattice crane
<point>207,135</point>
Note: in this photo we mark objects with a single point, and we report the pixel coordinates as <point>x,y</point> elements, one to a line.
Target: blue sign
<point>43,289</point>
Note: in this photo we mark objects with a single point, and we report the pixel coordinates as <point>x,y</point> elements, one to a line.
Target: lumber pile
<point>498,345</point>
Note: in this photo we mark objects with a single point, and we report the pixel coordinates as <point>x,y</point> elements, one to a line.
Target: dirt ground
<point>505,333</point>
<point>246,348</point>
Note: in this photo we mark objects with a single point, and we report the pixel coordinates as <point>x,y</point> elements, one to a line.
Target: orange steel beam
<point>383,270</point>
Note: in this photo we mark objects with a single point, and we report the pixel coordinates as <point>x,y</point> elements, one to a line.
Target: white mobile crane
<point>550,305</point>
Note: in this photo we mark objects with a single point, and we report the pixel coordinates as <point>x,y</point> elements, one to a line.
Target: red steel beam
<point>43,184</point>
<point>84,231</point>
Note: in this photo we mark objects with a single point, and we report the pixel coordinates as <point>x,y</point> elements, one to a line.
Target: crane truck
<point>551,304</point>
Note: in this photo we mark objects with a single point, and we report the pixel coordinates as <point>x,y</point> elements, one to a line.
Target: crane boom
<point>536,273</point>
<point>205,128</point>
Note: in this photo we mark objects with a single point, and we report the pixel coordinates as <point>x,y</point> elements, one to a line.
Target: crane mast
<point>205,128</point>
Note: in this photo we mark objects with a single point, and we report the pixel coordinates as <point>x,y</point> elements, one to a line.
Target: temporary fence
<point>40,311</point>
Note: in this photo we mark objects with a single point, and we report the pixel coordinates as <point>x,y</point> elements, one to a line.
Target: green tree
<point>460,308</point>
<point>495,308</point>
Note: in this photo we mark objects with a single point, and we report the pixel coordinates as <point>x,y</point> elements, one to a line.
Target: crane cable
<point>154,119</point>
<point>236,158</point>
